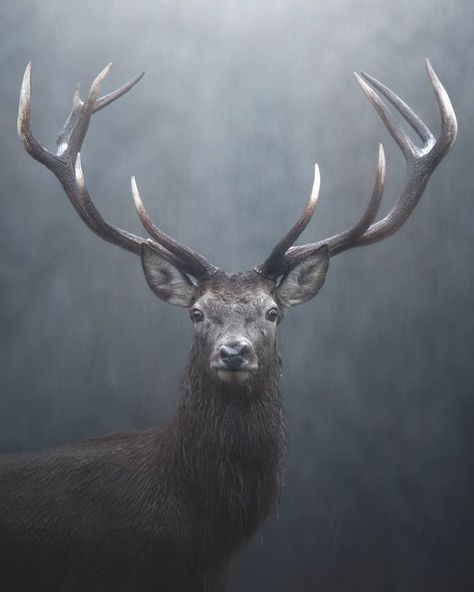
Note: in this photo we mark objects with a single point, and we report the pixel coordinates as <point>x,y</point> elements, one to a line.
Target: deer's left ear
<point>305,279</point>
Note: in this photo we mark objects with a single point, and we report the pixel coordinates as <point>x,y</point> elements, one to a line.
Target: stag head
<point>235,316</point>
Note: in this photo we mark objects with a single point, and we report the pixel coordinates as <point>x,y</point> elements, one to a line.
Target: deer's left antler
<point>421,162</point>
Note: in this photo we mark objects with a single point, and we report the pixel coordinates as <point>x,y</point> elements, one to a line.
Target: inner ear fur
<point>165,279</point>
<point>305,279</point>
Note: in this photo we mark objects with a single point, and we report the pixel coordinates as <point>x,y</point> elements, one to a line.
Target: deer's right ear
<point>165,279</point>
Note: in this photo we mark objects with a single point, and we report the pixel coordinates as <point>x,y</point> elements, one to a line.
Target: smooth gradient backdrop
<point>238,102</point>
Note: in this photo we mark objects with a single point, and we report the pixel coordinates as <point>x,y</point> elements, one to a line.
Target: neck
<point>231,443</point>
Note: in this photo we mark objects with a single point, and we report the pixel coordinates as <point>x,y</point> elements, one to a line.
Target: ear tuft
<point>165,279</point>
<point>305,279</point>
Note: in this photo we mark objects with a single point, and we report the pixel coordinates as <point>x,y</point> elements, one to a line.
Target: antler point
<point>137,200</point>
<point>313,198</point>
<point>363,84</point>
<point>27,75</point>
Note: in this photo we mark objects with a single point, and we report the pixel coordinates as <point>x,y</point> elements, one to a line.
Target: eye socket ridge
<point>272,314</point>
<point>196,315</point>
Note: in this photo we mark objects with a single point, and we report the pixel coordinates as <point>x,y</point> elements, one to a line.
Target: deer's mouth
<point>237,376</point>
<point>234,374</point>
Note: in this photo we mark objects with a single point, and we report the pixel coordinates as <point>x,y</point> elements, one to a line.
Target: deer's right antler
<point>66,166</point>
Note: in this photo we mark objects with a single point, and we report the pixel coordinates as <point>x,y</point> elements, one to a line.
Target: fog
<point>238,102</point>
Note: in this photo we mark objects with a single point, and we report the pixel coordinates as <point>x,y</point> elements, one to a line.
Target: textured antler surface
<point>421,162</point>
<point>65,163</point>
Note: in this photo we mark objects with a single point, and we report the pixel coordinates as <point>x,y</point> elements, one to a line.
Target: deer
<point>170,508</point>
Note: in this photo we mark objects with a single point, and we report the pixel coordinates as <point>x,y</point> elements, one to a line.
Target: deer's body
<point>163,509</point>
<point>110,514</point>
<point>167,509</point>
<point>73,517</point>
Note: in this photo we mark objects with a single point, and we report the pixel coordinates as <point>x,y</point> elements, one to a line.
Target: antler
<point>65,163</point>
<point>421,162</point>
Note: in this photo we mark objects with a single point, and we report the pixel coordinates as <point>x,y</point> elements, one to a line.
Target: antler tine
<point>412,118</point>
<point>397,132</point>
<point>72,135</point>
<point>421,162</point>
<point>449,124</point>
<point>340,242</point>
<point>32,146</point>
<point>116,94</point>
<point>195,264</point>
<point>272,265</point>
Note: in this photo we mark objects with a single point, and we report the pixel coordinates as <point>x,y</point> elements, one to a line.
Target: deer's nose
<point>235,354</point>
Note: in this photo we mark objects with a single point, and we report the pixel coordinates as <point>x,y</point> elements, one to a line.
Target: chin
<point>234,376</point>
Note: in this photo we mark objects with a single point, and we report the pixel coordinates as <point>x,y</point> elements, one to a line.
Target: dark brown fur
<point>156,510</point>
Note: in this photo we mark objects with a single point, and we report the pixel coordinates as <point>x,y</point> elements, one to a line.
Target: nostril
<point>235,350</point>
<point>244,350</point>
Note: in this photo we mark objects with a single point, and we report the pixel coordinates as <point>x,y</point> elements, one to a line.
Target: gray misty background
<point>238,102</point>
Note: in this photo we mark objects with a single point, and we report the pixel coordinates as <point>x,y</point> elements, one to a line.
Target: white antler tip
<point>137,200</point>
<point>430,69</point>
<point>24,103</point>
<point>363,84</point>
<point>26,82</point>
<point>316,185</point>
<point>99,79</point>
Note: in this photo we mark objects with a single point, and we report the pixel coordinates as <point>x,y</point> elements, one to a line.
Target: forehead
<point>247,290</point>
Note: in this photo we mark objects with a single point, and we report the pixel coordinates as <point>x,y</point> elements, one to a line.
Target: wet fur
<point>163,510</point>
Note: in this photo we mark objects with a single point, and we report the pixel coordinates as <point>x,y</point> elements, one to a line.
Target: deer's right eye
<point>272,314</point>
<point>196,315</point>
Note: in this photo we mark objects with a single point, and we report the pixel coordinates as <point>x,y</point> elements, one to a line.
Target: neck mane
<point>232,445</point>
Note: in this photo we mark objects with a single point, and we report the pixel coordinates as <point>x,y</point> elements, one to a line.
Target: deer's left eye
<point>272,314</point>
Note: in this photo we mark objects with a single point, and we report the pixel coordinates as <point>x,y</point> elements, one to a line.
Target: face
<point>235,316</point>
<point>235,319</point>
